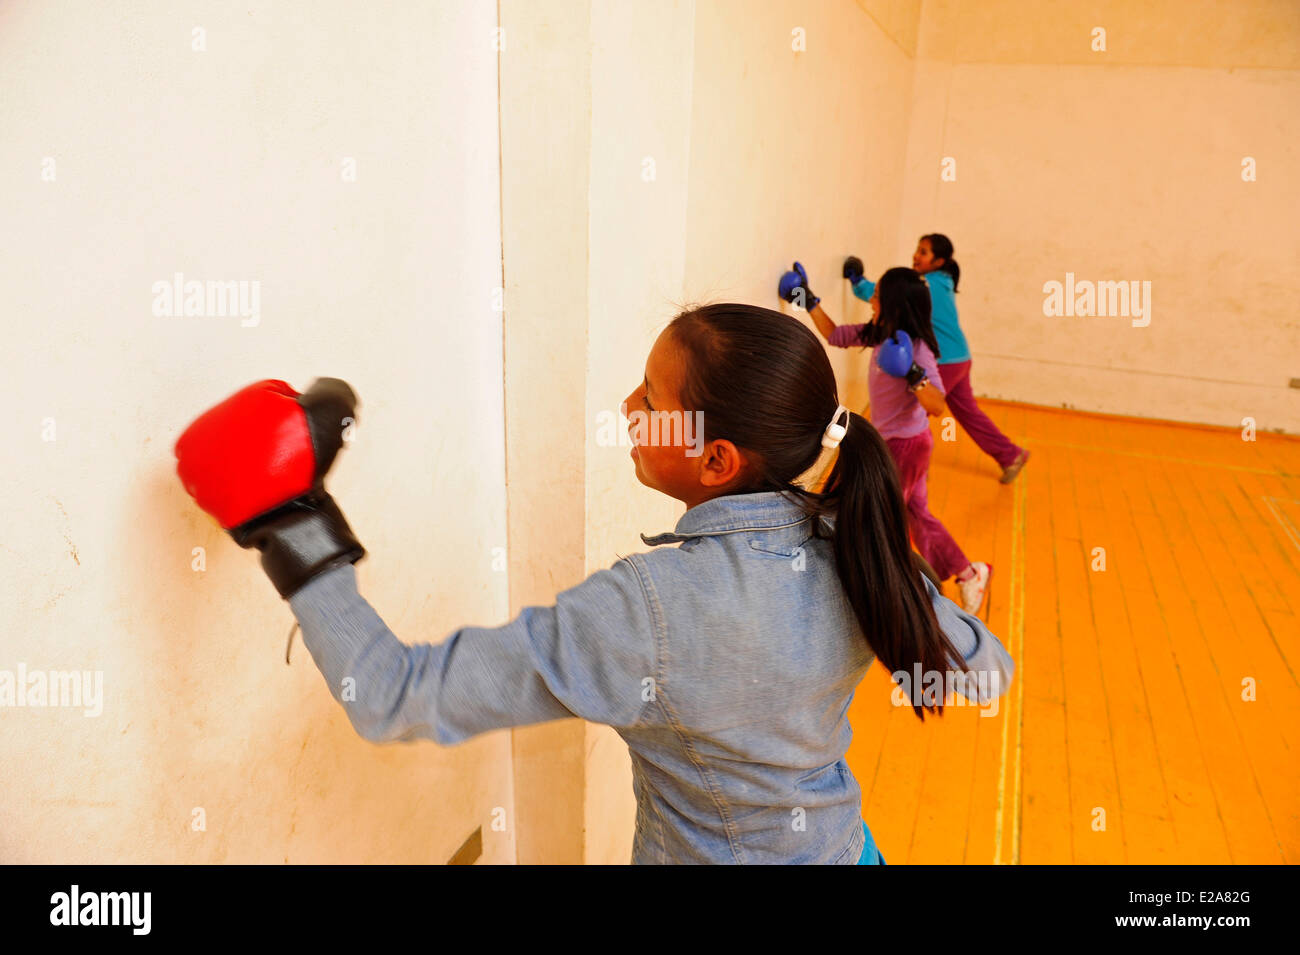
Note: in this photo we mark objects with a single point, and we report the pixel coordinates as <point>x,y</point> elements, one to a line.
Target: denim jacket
<point>727,664</point>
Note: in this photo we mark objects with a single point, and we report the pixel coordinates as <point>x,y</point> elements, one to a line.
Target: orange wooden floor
<point>1126,737</point>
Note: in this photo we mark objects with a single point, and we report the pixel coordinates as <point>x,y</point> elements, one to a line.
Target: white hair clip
<point>835,432</point>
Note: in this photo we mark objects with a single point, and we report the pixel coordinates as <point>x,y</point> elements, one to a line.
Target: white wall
<point>226,164</point>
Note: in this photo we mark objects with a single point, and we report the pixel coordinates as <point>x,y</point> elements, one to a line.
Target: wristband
<point>300,540</point>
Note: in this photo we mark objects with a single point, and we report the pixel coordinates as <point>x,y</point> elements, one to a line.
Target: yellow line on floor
<point>1018,635</point>
<point>1282,519</point>
<point>1017,641</point>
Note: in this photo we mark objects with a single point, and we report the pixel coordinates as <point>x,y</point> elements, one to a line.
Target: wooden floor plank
<point>1197,822</point>
<point>1045,798</point>
<point>1244,650</point>
<point>1094,782</point>
<point>1142,786</point>
<point>1231,776</point>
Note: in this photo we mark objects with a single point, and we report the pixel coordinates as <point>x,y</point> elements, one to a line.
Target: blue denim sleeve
<point>864,288</point>
<point>585,656</point>
<point>991,667</point>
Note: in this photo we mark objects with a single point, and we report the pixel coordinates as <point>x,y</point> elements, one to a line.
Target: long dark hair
<point>905,304</point>
<point>763,381</point>
<point>941,247</point>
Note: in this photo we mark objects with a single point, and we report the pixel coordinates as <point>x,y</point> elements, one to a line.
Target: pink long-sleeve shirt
<point>895,411</point>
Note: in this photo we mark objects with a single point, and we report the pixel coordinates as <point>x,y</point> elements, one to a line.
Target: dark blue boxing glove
<point>794,288</point>
<point>895,359</point>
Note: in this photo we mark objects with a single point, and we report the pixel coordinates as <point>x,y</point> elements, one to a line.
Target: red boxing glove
<point>248,454</point>
<point>256,463</point>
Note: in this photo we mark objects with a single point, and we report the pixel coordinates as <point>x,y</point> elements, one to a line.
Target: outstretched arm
<point>846,336</point>
<point>586,656</point>
<point>864,288</point>
<point>822,321</point>
<point>991,667</point>
<point>793,287</point>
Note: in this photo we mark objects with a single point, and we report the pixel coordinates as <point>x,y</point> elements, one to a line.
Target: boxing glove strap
<point>301,540</point>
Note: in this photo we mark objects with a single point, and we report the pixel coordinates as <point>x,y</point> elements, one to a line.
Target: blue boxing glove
<point>895,358</point>
<point>794,288</point>
<point>854,269</point>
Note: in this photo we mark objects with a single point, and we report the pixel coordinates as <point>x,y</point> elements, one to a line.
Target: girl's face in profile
<point>665,460</point>
<point>923,259</point>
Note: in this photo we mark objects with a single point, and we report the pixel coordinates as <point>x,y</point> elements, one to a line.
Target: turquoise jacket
<point>943,314</point>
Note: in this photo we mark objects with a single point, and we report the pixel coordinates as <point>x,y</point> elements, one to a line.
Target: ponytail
<point>880,572</point>
<point>941,247</point>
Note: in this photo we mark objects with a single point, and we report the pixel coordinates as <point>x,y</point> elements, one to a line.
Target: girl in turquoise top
<point>933,259</point>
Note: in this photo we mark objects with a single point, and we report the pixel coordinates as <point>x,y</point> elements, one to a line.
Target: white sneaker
<point>973,590</point>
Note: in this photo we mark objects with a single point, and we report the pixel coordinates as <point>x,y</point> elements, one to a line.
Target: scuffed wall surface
<point>227,164</point>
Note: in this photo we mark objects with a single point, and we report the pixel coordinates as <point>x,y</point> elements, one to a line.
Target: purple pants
<point>912,455</point>
<point>962,404</point>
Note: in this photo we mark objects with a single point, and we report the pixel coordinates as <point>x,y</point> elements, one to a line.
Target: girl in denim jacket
<point>727,663</point>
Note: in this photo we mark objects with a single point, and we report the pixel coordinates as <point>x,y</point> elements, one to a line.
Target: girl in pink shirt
<point>900,410</point>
